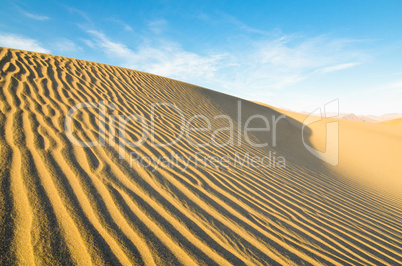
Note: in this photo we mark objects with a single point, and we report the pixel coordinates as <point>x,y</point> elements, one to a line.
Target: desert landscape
<point>112,201</point>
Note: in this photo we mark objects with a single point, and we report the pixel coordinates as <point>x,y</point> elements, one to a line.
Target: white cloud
<point>221,17</point>
<point>66,45</point>
<point>111,48</point>
<point>36,17</point>
<point>83,15</point>
<point>89,43</point>
<point>21,42</point>
<point>262,68</point>
<point>122,23</point>
<point>157,26</point>
<point>33,16</point>
<point>233,20</point>
<point>339,67</point>
<point>285,61</point>
<point>166,58</point>
<point>173,61</point>
<point>292,53</point>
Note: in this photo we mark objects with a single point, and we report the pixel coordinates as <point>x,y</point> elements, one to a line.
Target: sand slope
<point>393,122</point>
<point>369,154</point>
<point>65,204</point>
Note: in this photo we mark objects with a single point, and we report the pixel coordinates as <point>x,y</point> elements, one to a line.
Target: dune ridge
<point>65,204</point>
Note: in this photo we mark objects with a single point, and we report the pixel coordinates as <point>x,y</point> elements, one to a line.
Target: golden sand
<point>393,122</point>
<point>66,204</point>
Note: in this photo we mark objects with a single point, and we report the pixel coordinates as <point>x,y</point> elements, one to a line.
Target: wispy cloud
<point>112,48</point>
<point>66,45</point>
<point>121,23</point>
<point>294,53</point>
<point>89,43</point>
<point>158,26</point>
<point>224,18</point>
<point>262,68</point>
<point>278,63</point>
<point>33,16</point>
<point>21,42</point>
<point>232,20</point>
<point>339,67</point>
<point>83,15</point>
<point>271,60</point>
<point>166,58</point>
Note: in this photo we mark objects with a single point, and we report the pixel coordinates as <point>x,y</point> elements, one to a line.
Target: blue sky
<point>293,54</point>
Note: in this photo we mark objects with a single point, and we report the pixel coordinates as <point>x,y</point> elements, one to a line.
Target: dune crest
<point>62,203</point>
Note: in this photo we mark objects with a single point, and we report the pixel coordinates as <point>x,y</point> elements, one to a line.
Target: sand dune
<point>66,204</point>
<point>393,122</point>
<point>385,117</point>
<point>369,153</point>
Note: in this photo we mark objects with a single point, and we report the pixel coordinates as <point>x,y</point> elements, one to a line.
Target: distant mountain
<point>358,118</point>
<point>363,118</point>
